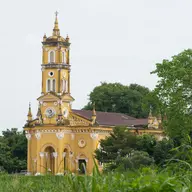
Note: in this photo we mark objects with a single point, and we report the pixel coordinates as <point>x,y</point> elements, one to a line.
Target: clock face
<point>50,112</point>
<point>65,112</point>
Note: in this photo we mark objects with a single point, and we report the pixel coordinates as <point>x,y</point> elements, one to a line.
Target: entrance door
<point>82,166</point>
<point>49,160</point>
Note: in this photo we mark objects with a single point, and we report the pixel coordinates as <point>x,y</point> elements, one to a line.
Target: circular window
<point>51,74</point>
<point>81,143</point>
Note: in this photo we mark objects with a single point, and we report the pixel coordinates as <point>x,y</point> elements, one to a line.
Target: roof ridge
<point>105,112</point>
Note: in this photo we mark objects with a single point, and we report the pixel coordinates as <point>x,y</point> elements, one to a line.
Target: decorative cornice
<point>60,135</point>
<point>55,66</point>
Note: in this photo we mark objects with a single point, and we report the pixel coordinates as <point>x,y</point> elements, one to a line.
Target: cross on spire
<point>56,13</point>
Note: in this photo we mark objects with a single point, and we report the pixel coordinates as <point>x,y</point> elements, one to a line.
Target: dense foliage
<point>13,151</point>
<point>133,100</point>
<point>124,150</point>
<point>174,90</point>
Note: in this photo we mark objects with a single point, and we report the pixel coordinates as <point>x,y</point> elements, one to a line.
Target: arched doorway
<point>49,160</point>
<point>82,164</point>
<point>66,160</point>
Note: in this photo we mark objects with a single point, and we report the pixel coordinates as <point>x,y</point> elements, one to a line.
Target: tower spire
<point>56,31</point>
<point>29,115</point>
<point>94,116</point>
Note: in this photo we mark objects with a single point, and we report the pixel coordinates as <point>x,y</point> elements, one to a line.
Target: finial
<point>44,37</point>
<point>29,115</point>
<point>67,38</point>
<point>56,13</point>
<point>94,112</point>
<point>93,115</point>
<point>39,110</point>
<point>39,115</point>
<point>56,31</point>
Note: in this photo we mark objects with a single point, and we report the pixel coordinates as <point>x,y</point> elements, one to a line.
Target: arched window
<point>48,85</point>
<point>63,57</point>
<point>66,85</point>
<point>53,85</point>
<point>63,86</point>
<point>51,57</point>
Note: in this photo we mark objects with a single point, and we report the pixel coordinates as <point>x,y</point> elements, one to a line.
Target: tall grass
<point>146,179</point>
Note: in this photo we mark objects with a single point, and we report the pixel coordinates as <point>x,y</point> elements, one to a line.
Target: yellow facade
<point>60,140</point>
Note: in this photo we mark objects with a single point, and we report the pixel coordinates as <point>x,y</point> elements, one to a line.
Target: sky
<point>111,41</point>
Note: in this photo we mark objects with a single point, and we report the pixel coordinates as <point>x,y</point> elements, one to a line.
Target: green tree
<point>120,143</point>
<point>162,151</point>
<point>134,161</point>
<point>13,150</point>
<point>115,97</point>
<point>146,143</point>
<point>174,90</point>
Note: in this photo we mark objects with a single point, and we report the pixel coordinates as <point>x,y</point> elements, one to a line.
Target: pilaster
<point>38,137</point>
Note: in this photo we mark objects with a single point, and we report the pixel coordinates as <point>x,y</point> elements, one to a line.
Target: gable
<point>67,97</point>
<point>49,97</point>
<point>76,120</point>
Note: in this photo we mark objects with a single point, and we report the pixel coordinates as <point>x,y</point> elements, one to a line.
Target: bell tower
<point>55,100</point>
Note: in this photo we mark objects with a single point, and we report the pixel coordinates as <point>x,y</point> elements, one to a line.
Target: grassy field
<point>145,180</point>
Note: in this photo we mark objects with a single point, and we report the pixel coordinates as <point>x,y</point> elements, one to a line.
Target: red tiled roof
<point>111,119</point>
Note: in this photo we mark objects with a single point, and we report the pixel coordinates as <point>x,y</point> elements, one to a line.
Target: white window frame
<point>47,87</point>
<point>49,56</point>
<point>53,80</point>
<point>64,57</point>
<point>51,85</point>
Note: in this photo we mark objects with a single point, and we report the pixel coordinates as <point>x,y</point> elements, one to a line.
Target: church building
<point>62,139</point>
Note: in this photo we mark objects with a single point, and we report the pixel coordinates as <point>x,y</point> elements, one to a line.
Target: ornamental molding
<point>60,135</point>
<point>41,154</point>
<point>94,136</point>
<point>76,121</point>
<point>28,136</point>
<point>55,155</point>
<point>81,143</point>
<point>58,66</point>
<point>38,135</point>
